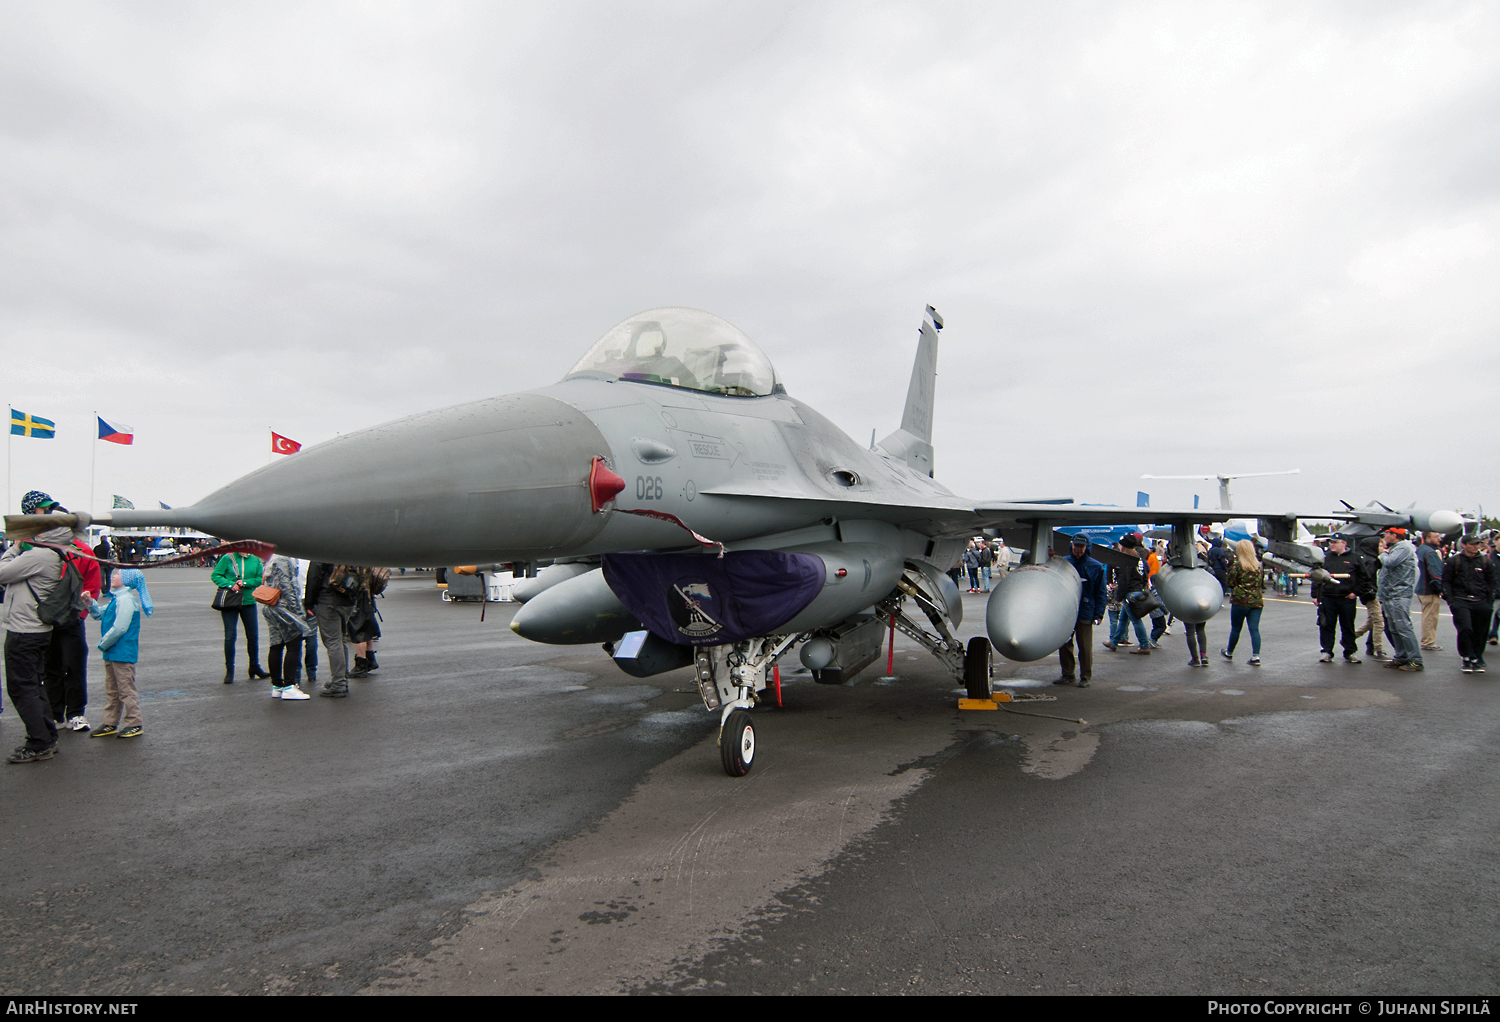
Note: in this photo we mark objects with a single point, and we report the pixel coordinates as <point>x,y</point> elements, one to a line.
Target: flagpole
<point>8,435</point>
<point>93,460</point>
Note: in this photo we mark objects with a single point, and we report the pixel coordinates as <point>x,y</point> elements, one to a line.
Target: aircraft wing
<point>998,512</point>
<point>943,514</point>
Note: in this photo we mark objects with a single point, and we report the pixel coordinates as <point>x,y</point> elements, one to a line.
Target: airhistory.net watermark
<point>49,1006</point>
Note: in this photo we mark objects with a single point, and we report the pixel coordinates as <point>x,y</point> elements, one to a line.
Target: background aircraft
<point>698,516</point>
<point>1109,535</point>
<point>1226,503</point>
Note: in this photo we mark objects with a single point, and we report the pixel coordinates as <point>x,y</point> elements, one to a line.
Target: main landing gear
<point>971,665</point>
<point>977,669</point>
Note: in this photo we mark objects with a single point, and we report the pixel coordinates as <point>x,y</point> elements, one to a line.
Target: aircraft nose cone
<point>501,479</point>
<point>1445,522</point>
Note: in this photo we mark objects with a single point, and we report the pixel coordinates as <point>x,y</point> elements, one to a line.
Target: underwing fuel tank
<point>1192,594</point>
<point>582,609</point>
<point>1034,609</point>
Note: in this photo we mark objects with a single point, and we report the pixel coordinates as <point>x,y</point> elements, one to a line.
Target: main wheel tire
<point>977,668</point>
<point>737,744</point>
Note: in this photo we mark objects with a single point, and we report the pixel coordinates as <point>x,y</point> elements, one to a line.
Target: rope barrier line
<point>1049,716</point>
<point>1283,599</point>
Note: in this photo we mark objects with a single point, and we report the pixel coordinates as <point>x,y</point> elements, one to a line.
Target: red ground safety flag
<point>281,445</point>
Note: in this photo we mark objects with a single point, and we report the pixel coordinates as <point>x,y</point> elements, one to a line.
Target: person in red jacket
<point>65,666</point>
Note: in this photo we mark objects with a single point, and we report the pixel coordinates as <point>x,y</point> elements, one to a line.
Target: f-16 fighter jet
<point>696,514</point>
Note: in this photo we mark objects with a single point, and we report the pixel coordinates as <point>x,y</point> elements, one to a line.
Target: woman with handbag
<point>238,576</point>
<point>281,598</point>
<point>1135,598</point>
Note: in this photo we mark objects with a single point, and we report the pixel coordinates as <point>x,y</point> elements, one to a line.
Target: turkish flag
<point>281,445</point>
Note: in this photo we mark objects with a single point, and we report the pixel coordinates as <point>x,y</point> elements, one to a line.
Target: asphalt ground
<point>490,815</point>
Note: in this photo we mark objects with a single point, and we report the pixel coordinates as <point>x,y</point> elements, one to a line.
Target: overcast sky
<point>1166,238</point>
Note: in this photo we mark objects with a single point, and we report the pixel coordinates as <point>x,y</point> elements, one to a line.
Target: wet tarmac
<point>490,815</point>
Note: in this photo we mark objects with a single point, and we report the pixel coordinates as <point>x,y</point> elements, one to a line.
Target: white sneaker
<point>78,724</point>
<point>294,693</point>
<point>276,692</point>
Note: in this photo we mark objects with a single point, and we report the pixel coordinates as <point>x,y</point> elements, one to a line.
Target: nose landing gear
<point>737,743</point>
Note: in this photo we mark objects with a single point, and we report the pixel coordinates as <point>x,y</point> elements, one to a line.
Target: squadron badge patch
<point>695,609</point>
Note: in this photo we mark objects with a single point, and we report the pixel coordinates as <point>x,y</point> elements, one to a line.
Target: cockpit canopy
<point>680,348</point>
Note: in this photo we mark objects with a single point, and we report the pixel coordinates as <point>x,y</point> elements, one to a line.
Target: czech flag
<point>281,445</point>
<point>116,432</point>
<point>35,426</point>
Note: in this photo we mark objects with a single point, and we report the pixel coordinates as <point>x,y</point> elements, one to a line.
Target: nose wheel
<point>737,743</point>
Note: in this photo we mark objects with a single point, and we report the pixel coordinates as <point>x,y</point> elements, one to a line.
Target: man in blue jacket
<point>1091,605</point>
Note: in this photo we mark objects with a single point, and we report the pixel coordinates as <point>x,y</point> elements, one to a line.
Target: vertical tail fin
<point>912,443</point>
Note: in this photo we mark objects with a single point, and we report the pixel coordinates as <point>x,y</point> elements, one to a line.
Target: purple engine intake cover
<point>703,600</point>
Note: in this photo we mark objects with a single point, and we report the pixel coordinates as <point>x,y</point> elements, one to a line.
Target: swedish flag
<point>34,426</point>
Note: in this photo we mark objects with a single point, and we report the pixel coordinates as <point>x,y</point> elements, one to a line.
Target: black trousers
<point>67,671</point>
<point>1197,640</point>
<point>24,656</point>
<point>1337,612</point>
<point>1473,623</point>
<point>285,657</point>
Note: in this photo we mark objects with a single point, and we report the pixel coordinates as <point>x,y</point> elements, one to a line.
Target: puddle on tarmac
<point>1024,683</point>
<point>1231,691</point>
<point>1139,688</point>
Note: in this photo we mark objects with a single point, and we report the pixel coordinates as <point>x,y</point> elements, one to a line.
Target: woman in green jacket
<point>240,573</point>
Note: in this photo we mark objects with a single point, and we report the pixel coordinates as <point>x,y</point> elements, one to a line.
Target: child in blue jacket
<point>120,620</point>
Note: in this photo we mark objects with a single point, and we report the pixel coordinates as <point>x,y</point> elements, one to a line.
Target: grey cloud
<point>1265,228</point>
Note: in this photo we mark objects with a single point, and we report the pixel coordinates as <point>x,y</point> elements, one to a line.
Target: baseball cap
<point>35,499</point>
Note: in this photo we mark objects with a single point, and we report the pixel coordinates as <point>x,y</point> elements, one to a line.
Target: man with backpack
<point>65,670</point>
<point>329,596</point>
<point>34,578</point>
